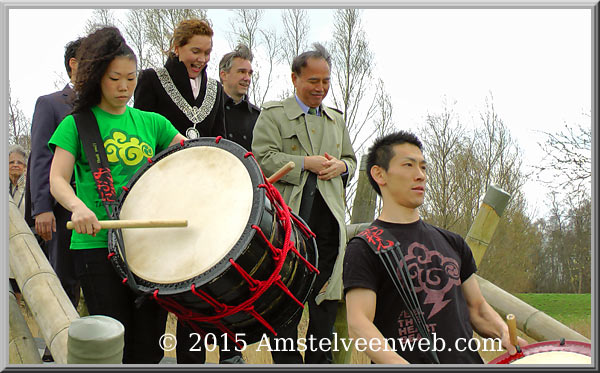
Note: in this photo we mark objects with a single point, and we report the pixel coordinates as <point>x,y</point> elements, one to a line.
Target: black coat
<point>239,121</point>
<point>49,111</point>
<point>150,95</point>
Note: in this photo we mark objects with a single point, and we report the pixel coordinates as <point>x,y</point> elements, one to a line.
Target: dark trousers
<point>60,257</point>
<point>186,341</point>
<point>322,316</point>
<point>105,294</point>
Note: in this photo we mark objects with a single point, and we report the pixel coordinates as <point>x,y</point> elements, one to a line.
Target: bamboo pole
<point>530,321</point>
<point>363,209</point>
<point>486,221</point>
<point>21,345</point>
<point>354,229</point>
<point>96,339</point>
<point>41,288</point>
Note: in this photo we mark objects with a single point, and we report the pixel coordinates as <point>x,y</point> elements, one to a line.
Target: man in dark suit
<point>235,72</point>
<point>41,209</point>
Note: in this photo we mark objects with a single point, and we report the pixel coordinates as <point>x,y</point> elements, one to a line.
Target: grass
<point>573,310</point>
<point>566,308</point>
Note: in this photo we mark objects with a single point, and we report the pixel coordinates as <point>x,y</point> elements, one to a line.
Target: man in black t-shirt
<point>440,264</point>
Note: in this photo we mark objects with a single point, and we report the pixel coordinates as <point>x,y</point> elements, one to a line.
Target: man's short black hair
<point>381,152</point>
<point>71,52</point>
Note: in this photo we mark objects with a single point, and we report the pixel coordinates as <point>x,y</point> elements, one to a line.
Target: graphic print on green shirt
<point>126,149</point>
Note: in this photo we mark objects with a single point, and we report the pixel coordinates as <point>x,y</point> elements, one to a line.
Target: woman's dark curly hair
<point>94,55</point>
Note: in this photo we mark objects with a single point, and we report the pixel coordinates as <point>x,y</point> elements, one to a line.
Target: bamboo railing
<point>41,288</point>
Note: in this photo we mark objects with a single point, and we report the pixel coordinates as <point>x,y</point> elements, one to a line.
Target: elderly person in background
<point>17,163</point>
<point>16,188</point>
<point>314,136</point>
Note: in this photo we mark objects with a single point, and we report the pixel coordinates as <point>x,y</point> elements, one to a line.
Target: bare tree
<point>383,112</point>
<point>445,148</point>
<point>246,29</point>
<point>498,151</point>
<point>271,44</point>
<point>352,72</point>
<point>352,63</point>
<point>463,164</point>
<point>568,158</point>
<point>136,35</point>
<point>295,31</point>
<point>18,125</point>
<point>100,18</point>
<point>565,256</point>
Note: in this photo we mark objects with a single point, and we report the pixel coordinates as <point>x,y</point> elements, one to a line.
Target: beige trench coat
<point>284,133</point>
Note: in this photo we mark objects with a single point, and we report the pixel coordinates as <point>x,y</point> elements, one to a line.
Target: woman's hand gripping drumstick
<point>113,224</point>
<point>281,173</point>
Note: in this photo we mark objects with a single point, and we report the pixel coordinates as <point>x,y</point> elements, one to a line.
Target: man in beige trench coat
<point>315,138</point>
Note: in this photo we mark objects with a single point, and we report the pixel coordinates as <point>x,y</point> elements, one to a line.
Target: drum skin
<point>220,281</point>
<point>567,352</point>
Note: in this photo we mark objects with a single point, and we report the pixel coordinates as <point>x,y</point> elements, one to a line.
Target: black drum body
<point>218,262</point>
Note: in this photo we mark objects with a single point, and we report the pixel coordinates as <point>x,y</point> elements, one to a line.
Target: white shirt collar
<point>196,85</point>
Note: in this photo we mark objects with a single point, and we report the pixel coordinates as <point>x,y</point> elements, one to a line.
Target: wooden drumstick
<point>511,321</point>
<point>112,224</point>
<point>281,173</point>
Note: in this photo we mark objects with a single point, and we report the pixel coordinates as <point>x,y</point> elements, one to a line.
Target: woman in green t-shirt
<point>105,81</point>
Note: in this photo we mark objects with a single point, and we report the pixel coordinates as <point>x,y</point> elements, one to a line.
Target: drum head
<point>549,353</point>
<point>208,186</point>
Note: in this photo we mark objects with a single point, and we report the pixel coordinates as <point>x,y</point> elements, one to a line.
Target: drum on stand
<point>229,258</point>
<point>549,353</point>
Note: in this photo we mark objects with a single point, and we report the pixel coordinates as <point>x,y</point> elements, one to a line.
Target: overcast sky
<point>535,62</point>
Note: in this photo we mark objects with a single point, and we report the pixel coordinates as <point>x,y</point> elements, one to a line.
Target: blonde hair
<point>187,29</point>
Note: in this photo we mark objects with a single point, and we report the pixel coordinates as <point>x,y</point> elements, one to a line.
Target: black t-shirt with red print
<point>438,261</point>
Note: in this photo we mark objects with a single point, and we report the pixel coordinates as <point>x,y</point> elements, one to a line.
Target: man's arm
<point>485,321</point>
<point>267,146</point>
<point>360,308</point>
<point>42,127</point>
<point>345,166</point>
<point>348,155</point>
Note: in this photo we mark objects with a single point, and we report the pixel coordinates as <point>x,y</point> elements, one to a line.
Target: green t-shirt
<point>129,140</point>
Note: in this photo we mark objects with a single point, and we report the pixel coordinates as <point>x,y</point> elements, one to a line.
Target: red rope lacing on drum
<point>256,287</point>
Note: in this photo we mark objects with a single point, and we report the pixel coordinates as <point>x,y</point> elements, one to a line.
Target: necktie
<point>312,111</point>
